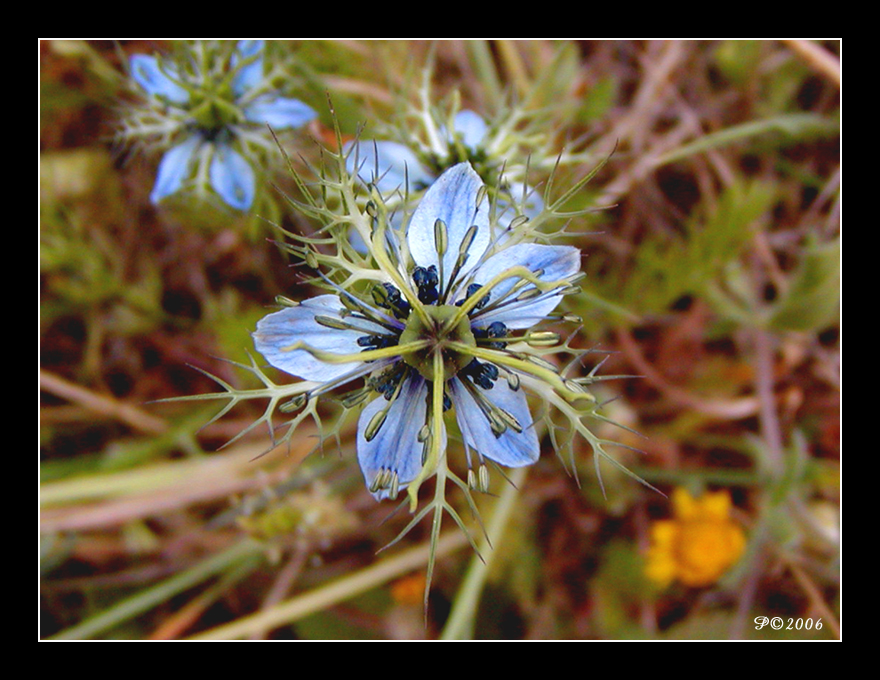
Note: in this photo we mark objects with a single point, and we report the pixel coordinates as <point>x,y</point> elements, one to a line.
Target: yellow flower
<point>698,545</point>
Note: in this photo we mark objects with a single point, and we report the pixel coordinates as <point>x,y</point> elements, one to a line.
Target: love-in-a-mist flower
<point>211,108</point>
<point>435,337</point>
<point>400,169</point>
<point>397,165</point>
<point>445,330</point>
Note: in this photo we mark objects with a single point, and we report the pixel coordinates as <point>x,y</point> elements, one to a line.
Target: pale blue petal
<point>248,77</point>
<point>396,446</point>
<point>278,331</point>
<point>232,177</point>
<point>511,448</point>
<point>389,164</point>
<point>174,168</point>
<point>149,75</point>
<point>557,263</point>
<point>279,112</point>
<point>471,127</point>
<point>453,199</point>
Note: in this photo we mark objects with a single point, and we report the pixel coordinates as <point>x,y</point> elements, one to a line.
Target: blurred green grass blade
<point>334,592</point>
<point>484,65</point>
<point>795,126</point>
<point>460,624</point>
<point>151,597</point>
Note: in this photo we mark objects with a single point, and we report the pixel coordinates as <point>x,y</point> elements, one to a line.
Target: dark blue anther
<point>386,383</point>
<point>471,291</point>
<point>496,329</point>
<point>426,281</point>
<point>376,341</point>
<point>392,300</point>
<point>482,375</point>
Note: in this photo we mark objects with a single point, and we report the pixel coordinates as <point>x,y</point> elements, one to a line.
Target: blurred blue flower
<point>216,110</point>
<point>395,167</point>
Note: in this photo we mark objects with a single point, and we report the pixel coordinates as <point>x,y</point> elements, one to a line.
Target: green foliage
<point>738,59</point>
<point>619,585</point>
<point>812,299</point>
<point>85,268</point>
<point>667,267</point>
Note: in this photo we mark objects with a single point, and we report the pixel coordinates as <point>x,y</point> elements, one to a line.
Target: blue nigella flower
<point>214,109</point>
<point>444,330</point>
<point>394,167</point>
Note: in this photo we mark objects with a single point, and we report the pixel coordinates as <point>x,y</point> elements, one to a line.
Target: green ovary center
<point>214,110</point>
<point>433,330</point>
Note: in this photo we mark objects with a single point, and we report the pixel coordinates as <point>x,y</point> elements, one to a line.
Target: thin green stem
<point>481,56</point>
<point>460,624</point>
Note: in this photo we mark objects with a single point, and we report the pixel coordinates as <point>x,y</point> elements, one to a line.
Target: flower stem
<point>460,624</point>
